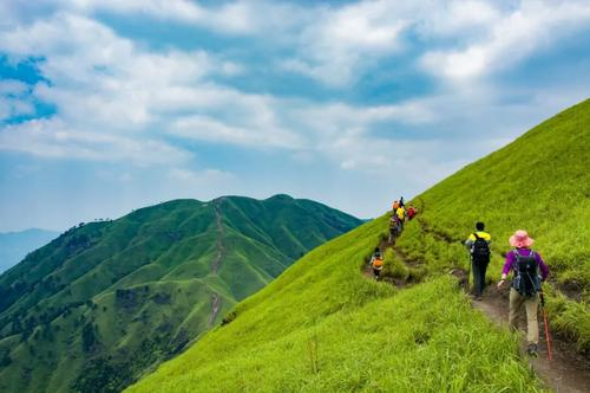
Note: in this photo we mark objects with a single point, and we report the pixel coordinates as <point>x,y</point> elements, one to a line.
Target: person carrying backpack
<point>526,265</point>
<point>401,215</point>
<point>392,228</point>
<point>478,244</point>
<point>411,212</point>
<point>377,263</point>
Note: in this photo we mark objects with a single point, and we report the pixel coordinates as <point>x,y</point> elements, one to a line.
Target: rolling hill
<point>14,246</point>
<point>107,300</point>
<point>324,327</point>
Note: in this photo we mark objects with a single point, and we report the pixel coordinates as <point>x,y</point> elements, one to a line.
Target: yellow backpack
<point>401,213</point>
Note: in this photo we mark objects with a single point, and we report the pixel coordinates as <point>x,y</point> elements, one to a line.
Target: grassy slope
<point>141,286</point>
<point>321,326</point>
<point>540,183</point>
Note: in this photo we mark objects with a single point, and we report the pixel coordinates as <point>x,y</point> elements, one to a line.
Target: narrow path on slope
<point>219,243</point>
<point>398,282</point>
<point>568,371</point>
<point>215,307</point>
<point>216,264</point>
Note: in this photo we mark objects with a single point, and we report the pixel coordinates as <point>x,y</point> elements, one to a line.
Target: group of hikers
<point>526,265</point>
<point>399,215</point>
<point>529,272</point>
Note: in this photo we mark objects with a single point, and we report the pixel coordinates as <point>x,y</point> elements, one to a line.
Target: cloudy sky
<point>108,105</point>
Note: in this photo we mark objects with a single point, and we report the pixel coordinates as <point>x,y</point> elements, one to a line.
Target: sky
<point>107,106</point>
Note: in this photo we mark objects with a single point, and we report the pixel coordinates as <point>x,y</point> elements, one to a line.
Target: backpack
<point>377,263</point>
<point>480,250</point>
<point>526,280</point>
<point>401,213</point>
<point>392,222</point>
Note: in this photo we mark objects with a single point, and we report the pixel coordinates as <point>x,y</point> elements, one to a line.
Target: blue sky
<point>107,106</point>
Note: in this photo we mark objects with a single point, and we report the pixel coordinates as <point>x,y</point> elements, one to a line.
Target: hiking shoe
<point>532,350</point>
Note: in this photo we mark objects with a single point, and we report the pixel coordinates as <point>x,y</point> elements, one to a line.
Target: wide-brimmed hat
<point>521,239</point>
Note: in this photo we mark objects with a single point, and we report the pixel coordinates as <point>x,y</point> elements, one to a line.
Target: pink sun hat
<point>521,239</point>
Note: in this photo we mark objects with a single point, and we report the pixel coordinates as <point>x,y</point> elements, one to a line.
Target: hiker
<point>526,284</point>
<point>411,212</point>
<point>401,202</point>
<point>392,228</point>
<point>401,215</point>
<point>377,263</point>
<point>478,245</point>
<point>395,206</point>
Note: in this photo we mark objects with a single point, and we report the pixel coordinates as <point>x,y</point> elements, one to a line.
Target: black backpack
<point>526,279</point>
<point>480,250</point>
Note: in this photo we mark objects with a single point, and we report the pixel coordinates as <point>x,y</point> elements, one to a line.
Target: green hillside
<point>108,300</point>
<point>323,327</point>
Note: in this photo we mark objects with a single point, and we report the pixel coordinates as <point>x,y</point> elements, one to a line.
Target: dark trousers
<point>479,275</point>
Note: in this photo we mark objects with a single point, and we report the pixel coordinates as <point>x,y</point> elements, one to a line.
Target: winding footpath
<point>220,233</point>
<point>220,252</point>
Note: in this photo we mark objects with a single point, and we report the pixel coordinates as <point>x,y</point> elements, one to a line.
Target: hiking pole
<point>547,334</point>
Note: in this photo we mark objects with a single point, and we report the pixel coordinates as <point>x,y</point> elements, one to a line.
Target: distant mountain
<point>106,301</point>
<point>14,246</point>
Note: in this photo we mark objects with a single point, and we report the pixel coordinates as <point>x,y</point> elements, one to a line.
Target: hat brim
<point>519,243</point>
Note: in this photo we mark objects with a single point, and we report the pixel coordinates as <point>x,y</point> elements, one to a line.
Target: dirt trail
<point>568,371</point>
<point>220,247</point>
<point>215,307</point>
<point>219,244</point>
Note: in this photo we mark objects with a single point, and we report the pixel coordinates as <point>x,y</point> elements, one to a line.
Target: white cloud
<point>205,176</point>
<point>335,46</point>
<point>208,129</point>
<point>52,138</point>
<point>14,99</point>
<point>121,85</point>
<point>107,86</point>
<point>229,18</point>
<point>13,87</point>
<point>511,38</point>
<point>469,19</point>
<point>104,84</point>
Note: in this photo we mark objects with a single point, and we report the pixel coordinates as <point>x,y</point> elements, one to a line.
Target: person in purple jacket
<point>526,265</point>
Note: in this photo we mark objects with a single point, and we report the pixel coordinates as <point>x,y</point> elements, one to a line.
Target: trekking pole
<point>547,334</point>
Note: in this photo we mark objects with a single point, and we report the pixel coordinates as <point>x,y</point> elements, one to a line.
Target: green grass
<point>323,327</point>
<point>541,183</point>
<point>141,287</point>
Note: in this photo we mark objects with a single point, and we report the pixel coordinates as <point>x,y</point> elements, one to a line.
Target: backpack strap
<point>516,257</point>
<point>475,235</point>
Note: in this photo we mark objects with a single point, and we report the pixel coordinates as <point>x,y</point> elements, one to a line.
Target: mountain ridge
<point>145,285</point>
